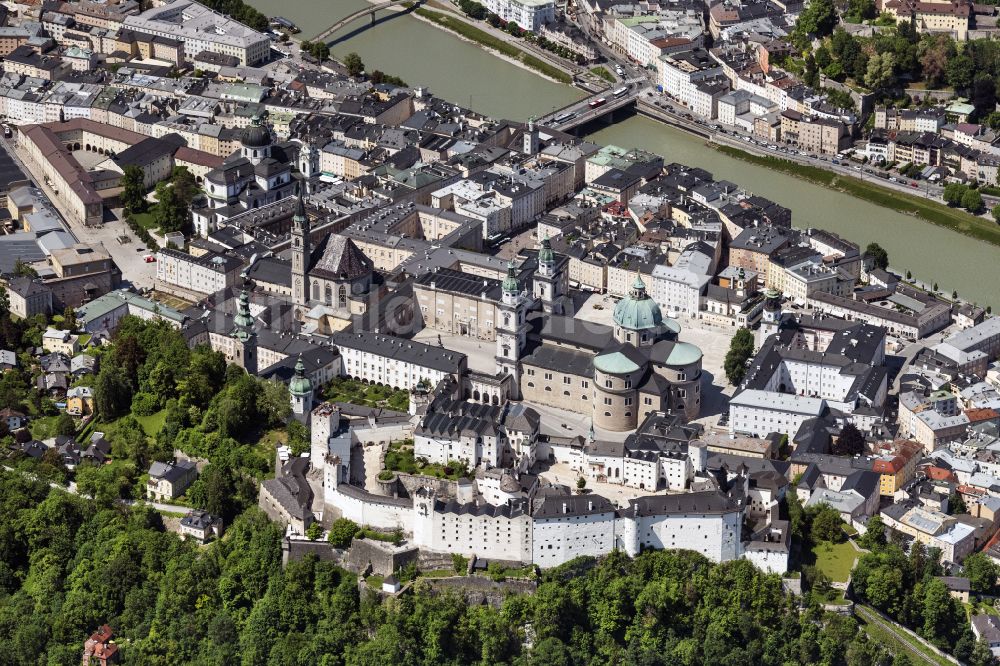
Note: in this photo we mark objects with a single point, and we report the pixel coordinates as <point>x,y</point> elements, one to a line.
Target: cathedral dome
<point>637,311</point>
<point>256,135</point>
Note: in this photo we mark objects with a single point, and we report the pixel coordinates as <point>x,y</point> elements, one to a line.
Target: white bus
<point>621,92</point>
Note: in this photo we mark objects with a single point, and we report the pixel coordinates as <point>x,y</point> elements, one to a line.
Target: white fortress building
<point>543,524</point>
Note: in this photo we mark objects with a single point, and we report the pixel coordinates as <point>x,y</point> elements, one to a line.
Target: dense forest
<point>69,564</point>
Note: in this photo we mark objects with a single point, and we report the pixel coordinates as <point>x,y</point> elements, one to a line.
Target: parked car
<point>149,258</point>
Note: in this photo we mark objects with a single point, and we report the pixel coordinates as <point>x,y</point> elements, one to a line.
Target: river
<point>459,71</point>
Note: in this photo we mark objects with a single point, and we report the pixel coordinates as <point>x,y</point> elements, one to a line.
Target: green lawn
<point>144,220</point>
<point>153,423</point>
<point>501,46</point>
<point>357,393</point>
<point>400,458</point>
<point>603,73</point>
<point>936,213</point>
<point>835,559</point>
<point>41,427</point>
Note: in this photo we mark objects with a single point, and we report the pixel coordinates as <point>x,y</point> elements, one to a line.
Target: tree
<point>981,572</point>
<point>995,211</point>
<point>24,269</point>
<point>956,504</point>
<point>810,75</point>
<point>982,655</point>
<point>274,403</point>
<point>860,10</point>
<point>881,71</point>
<point>69,319</point>
<point>112,393</point>
<point>740,351</point>
<point>984,94</point>
<point>878,256</point>
<point>972,201</point>
<point>581,483</point>
<point>314,531</point>
<point>960,72</point>
<point>172,212</point>
<point>953,193</point>
<point>353,63</point>
<point>133,190</point>
<point>321,51</point>
<point>238,406</point>
<point>298,437</point>
<point>826,525</point>
<point>342,532</point>
<point>850,442</point>
<point>65,425</point>
<point>874,536</point>
<point>819,19</point>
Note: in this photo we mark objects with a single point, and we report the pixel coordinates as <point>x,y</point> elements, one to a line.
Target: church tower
<point>301,391</point>
<point>300,257</point>
<point>550,279</point>
<point>531,143</point>
<point>512,330</point>
<point>244,337</point>
<point>309,164</point>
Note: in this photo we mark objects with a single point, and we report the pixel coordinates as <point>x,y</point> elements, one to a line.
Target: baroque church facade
<point>262,172</point>
<point>616,375</point>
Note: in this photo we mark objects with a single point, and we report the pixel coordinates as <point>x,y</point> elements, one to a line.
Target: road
<point>581,112</point>
<point>750,144</point>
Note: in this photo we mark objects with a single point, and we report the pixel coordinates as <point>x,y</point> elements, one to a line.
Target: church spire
<point>510,282</point>
<point>300,207</point>
<point>243,319</point>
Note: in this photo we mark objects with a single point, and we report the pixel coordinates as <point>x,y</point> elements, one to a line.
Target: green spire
<point>546,255</point>
<point>300,384</point>
<point>638,287</point>
<point>510,282</point>
<point>243,319</point>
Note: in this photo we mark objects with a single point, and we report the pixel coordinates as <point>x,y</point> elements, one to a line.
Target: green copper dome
<point>615,363</point>
<point>684,353</point>
<point>545,254</point>
<point>300,384</point>
<point>510,282</point>
<point>638,311</point>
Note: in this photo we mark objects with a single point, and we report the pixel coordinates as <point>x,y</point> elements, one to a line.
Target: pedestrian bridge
<point>361,13</point>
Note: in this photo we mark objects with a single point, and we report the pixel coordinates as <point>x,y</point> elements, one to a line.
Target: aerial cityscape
<point>507,332</point>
